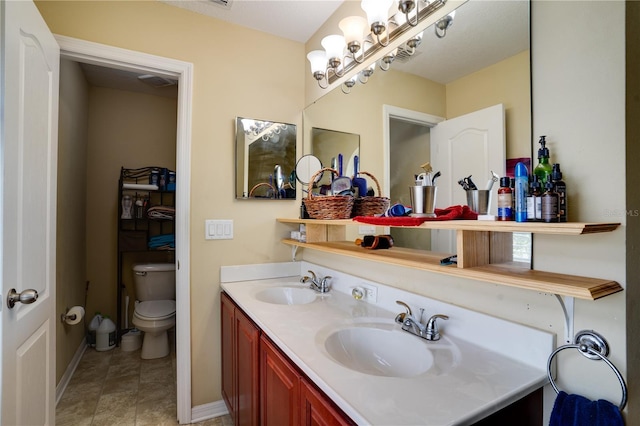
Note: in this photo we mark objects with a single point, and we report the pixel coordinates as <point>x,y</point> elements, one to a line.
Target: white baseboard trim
<point>71,368</point>
<point>208,411</point>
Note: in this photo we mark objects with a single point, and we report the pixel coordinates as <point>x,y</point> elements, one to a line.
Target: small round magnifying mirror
<point>306,167</point>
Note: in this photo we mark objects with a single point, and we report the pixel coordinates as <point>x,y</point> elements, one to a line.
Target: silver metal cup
<point>479,200</point>
<point>423,200</point>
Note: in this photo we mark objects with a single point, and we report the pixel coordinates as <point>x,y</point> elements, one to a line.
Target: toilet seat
<point>155,310</point>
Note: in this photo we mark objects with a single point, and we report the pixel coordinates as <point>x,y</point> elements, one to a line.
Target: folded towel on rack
<point>576,410</point>
<point>450,213</point>
<point>165,241</point>
<point>161,212</point>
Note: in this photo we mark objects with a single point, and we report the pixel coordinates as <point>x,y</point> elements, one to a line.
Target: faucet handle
<point>400,318</point>
<point>431,329</point>
<point>313,275</point>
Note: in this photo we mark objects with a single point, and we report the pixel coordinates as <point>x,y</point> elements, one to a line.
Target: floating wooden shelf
<point>476,254</point>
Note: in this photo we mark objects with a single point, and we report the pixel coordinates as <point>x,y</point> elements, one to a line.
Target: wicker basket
<point>370,205</point>
<point>328,206</point>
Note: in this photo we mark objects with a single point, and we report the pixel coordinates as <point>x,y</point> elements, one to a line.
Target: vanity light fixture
<point>344,52</point>
<point>377,15</point>
<point>406,6</point>
<point>445,23</point>
<point>353,28</point>
<point>334,46</point>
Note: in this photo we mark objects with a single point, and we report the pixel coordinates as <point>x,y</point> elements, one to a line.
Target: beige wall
<point>130,130</point>
<point>234,76</point>
<point>508,83</point>
<point>71,273</point>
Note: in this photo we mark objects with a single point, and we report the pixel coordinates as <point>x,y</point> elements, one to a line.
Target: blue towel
<point>576,410</point>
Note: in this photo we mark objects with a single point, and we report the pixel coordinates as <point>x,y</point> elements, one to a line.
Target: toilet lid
<point>156,309</point>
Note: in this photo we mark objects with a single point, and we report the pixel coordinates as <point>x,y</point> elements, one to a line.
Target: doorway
<point>126,60</point>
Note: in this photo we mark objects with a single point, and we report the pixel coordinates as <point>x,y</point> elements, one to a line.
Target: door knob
<point>26,297</point>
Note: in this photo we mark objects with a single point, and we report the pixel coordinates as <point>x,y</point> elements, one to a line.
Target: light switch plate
<point>218,229</point>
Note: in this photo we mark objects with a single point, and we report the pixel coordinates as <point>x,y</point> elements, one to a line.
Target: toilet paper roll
<point>74,315</point>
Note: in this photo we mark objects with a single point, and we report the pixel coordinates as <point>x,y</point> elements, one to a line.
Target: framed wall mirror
<point>483,60</point>
<point>331,145</point>
<point>265,159</point>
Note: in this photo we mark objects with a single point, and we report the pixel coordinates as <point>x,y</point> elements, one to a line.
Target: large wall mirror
<point>331,145</point>
<point>265,159</point>
<point>483,60</point>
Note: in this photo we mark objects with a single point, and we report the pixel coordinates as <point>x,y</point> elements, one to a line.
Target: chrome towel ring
<point>592,345</point>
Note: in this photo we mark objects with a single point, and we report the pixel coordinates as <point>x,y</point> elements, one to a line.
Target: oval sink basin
<point>379,352</point>
<point>287,295</point>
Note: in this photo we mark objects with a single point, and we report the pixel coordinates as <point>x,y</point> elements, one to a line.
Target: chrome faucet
<point>321,285</point>
<point>413,326</point>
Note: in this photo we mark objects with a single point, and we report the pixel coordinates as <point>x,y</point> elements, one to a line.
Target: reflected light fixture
<point>414,42</point>
<point>385,63</point>
<point>347,85</point>
<point>445,23</point>
<point>364,75</point>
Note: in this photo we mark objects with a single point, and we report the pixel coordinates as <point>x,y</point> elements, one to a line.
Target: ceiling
<point>483,33</point>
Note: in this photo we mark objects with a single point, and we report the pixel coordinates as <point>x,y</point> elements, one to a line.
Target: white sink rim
<point>287,295</point>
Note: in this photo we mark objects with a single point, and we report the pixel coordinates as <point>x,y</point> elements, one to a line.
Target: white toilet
<point>155,310</point>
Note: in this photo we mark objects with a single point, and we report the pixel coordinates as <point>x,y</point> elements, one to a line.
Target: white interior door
<point>30,66</point>
<point>472,144</point>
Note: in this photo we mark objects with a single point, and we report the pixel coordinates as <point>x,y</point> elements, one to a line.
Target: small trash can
<point>131,341</point>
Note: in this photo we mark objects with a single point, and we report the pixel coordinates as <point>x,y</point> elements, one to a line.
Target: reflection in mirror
<point>265,159</point>
<point>330,145</point>
<point>482,61</point>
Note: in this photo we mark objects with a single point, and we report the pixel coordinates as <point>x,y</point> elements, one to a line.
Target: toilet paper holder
<point>72,315</point>
<point>64,317</point>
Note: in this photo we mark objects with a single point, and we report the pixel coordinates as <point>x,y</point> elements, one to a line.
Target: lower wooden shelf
<point>503,273</point>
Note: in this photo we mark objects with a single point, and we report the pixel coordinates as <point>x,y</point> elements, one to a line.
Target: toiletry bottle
<point>561,188</point>
<point>549,204</point>
<point>543,168</point>
<point>521,186</point>
<point>534,206</point>
<point>505,199</point>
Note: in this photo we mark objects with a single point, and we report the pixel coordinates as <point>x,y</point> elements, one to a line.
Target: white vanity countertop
<point>483,382</point>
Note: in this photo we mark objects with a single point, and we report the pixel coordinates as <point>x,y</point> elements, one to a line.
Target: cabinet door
<point>247,358</point>
<point>317,410</point>
<point>228,343</point>
<point>279,387</point>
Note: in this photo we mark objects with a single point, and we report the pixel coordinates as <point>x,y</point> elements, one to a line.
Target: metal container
<point>423,200</point>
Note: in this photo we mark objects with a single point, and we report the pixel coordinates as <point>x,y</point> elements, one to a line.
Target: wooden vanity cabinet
<point>260,385</point>
<point>316,410</point>
<point>240,363</point>
<point>279,387</point>
<point>287,397</point>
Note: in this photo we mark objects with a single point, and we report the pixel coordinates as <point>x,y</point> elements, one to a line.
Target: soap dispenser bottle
<point>549,203</point>
<point>561,188</point>
<point>543,168</point>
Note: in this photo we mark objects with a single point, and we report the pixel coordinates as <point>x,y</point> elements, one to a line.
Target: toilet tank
<point>155,281</point>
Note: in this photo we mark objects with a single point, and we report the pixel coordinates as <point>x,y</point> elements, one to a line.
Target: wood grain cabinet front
<point>240,364</point>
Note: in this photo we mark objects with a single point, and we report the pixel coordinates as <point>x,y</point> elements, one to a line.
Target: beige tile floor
<point>118,388</point>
